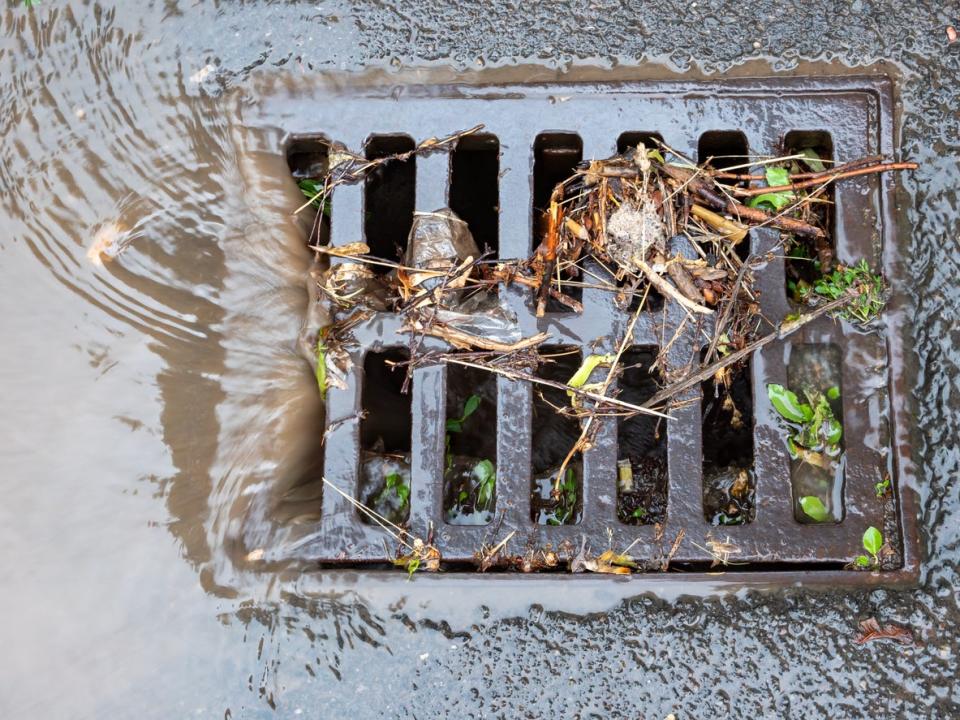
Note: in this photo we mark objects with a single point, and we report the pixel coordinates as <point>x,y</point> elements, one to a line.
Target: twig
<point>667,289</point>
<point>826,178</point>
<point>514,375</point>
<point>785,329</point>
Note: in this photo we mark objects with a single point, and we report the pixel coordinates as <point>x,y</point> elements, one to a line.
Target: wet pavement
<point>149,399</point>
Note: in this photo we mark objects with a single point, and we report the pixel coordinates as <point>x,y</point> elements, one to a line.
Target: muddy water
<point>151,401</point>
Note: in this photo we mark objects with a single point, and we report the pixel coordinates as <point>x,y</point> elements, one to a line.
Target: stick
<point>514,375</point>
<point>667,289</point>
<point>827,178</point>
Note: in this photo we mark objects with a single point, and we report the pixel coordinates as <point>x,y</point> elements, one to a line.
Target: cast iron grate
<point>536,133</point>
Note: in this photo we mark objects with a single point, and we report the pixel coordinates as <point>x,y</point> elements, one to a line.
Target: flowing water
<point>157,418</point>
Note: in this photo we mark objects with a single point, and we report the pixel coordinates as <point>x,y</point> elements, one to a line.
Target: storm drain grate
<point>532,137</point>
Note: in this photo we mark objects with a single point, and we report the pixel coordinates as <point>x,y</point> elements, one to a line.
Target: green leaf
<point>322,368</point>
<point>833,393</point>
<point>812,160</point>
<point>814,508</point>
<point>639,513</point>
<point>862,561</point>
<point>469,408</point>
<point>774,201</point>
<point>882,487</point>
<point>654,154</point>
<point>412,567</point>
<point>776,176</point>
<point>484,471</point>
<point>589,364</point>
<point>832,430</point>
<point>872,540</point>
<point>462,497</point>
<point>787,404</point>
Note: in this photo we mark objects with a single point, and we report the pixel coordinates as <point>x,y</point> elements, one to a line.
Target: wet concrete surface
<point>147,398</point>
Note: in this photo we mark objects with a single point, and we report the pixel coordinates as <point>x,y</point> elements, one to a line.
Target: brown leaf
<point>870,629</point>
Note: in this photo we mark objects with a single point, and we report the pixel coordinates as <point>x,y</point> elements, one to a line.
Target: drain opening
<point>309,159</point>
<point>475,188</point>
<point>729,152</point>
<point>385,436</point>
<point>816,465</point>
<point>389,199</point>
<point>470,452</point>
<point>554,433</point>
<point>729,484</point>
<point>805,259</point>
<point>555,156</point>
<point>641,445</point>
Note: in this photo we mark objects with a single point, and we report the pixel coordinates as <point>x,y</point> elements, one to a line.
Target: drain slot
<point>554,434</point>
<point>389,199</point>
<point>641,445</point>
<point>470,446</point>
<point>385,436</point>
<point>475,188</point>
<point>729,485</point>
<point>816,472</point>
<point>555,156</point>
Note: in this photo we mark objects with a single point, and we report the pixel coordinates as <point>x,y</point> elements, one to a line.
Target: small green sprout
<point>313,191</point>
<point>814,508</point>
<point>639,513</point>
<point>322,367</point>
<point>872,542</point>
<point>882,487</point>
<point>870,289</point>
<point>394,482</point>
<point>567,500</point>
<point>486,476</point>
<point>469,408</point>
<point>412,566</point>
<point>817,432</point>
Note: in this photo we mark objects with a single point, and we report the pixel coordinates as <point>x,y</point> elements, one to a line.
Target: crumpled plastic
<point>438,241</point>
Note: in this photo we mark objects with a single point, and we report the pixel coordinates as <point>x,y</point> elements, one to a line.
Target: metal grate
<point>853,114</point>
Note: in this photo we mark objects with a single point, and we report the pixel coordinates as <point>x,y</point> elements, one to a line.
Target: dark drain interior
<point>553,436</point>
<point>385,436</point>
<point>389,199</point>
<point>475,188</point>
<point>470,446</point>
<point>804,259</point>
<point>309,159</point>
<point>727,437</point>
<point>641,445</point>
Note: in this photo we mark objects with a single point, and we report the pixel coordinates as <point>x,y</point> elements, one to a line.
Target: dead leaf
<point>870,629</point>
